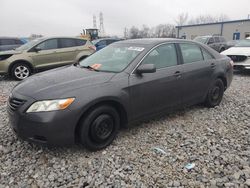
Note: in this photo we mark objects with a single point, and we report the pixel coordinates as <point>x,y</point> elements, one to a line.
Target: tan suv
<point>44,53</point>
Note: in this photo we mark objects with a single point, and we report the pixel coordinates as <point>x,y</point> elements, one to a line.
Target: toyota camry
<point>126,82</point>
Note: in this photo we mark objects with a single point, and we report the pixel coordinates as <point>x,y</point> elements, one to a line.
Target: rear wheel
<point>20,71</point>
<point>99,128</point>
<point>215,93</point>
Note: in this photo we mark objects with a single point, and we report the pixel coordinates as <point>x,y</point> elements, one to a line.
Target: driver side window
<point>162,56</point>
<point>48,44</point>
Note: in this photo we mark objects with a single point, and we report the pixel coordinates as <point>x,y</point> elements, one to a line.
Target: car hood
<point>57,82</point>
<point>11,52</point>
<point>237,51</point>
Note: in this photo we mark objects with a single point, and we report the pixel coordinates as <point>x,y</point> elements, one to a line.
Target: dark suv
<point>218,43</point>
<point>9,43</point>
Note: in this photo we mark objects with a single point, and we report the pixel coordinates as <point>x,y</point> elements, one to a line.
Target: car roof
<point>151,41</point>
<point>59,37</point>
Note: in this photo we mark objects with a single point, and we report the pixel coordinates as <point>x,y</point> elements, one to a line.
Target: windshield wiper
<point>90,68</point>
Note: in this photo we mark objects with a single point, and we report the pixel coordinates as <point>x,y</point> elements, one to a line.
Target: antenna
<point>101,29</point>
<point>94,22</point>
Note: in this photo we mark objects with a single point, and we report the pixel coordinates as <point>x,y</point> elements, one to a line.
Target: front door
<point>47,55</point>
<point>153,92</point>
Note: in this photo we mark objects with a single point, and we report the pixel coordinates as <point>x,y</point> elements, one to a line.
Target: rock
<point>247,182</point>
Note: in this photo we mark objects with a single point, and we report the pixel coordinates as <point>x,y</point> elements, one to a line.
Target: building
<point>231,30</point>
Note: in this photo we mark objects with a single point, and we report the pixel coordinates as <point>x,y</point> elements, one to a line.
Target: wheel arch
<point>110,102</point>
<point>21,61</point>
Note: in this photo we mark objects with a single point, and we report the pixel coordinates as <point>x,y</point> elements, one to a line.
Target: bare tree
<point>208,19</point>
<point>134,33</point>
<point>182,19</point>
<point>145,32</point>
<point>223,17</point>
<point>165,30</point>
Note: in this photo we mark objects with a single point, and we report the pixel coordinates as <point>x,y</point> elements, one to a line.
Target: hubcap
<point>216,93</point>
<point>102,127</point>
<point>21,72</point>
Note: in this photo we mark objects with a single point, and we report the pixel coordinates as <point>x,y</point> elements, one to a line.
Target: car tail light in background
<point>92,48</point>
<point>231,63</point>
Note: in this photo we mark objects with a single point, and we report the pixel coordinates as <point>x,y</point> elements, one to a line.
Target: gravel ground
<point>216,140</point>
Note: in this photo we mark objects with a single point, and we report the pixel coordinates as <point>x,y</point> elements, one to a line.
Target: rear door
<point>198,67</point>
<point>47,57</point>
<point>67,50</point>
<point>154,92</point>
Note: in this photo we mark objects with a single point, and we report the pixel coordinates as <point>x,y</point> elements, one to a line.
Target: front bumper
<point>242,66</point>
<point>47,128</point>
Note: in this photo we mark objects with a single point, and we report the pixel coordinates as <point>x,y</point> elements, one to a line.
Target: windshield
<point>243,43</point>
<point>29,45</point>
<point>113,58</point>
<point>201,39</point>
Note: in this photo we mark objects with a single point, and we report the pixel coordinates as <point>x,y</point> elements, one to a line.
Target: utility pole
<point>102,31</point>
<point>94,22</point>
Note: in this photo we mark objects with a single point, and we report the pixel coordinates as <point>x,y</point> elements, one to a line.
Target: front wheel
<point>215,93</point>
<point>20,71</point>
<point>99,128</point>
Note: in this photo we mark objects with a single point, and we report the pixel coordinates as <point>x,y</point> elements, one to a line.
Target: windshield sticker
<point>96,66</point>
<point>136,48</point>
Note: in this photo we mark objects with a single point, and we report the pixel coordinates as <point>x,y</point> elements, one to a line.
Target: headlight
<point>3,57</point>
<point>50,105</point>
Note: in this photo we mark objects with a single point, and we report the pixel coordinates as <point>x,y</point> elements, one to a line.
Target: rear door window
<point>80,42</point>
<point>48,44</point>
<point>190,53</point>
<point>206,54</point>
<point>222,39</point>
<point>211,40</point>
<point>67,43</point>
<point>217,39</point>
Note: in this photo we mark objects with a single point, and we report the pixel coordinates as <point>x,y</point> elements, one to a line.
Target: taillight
<point>231,63</point>
<point>92,48</point>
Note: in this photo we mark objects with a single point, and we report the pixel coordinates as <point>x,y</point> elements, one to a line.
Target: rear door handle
<point>213,65</point>
<point>177,74</point>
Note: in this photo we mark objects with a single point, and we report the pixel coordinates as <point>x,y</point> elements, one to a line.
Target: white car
<point>240,54</point>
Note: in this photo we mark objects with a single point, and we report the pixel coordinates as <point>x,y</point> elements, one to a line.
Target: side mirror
<point>37,49</point>
<point>146,68</point>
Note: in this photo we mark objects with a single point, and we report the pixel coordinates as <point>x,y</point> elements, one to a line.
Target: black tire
<point>215,94</point>
<point>99,128</point>
<point>20,71</point>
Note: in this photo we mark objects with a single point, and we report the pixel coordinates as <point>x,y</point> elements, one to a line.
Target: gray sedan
<point>125,82</point>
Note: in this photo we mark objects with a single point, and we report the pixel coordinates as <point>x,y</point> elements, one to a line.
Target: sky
<point>68,17</point>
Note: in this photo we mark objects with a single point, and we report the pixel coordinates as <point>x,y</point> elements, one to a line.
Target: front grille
<point>238,58</point>
<point>15,103</point>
